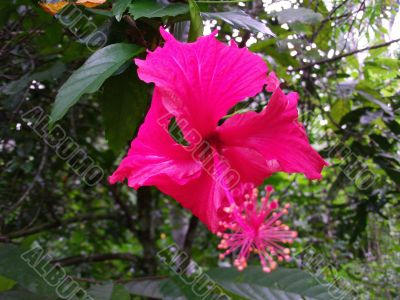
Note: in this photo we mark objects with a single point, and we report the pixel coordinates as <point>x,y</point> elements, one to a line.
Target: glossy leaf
<point>240,20</point>
<point>282,283</point>
<point>89,77</point>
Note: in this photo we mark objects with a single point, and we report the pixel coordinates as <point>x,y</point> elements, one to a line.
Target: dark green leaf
<point>89,77</point>
<point>152,9</point>
<point>177,287</point>
<point>12,266</point>
<point>123,103</point>
<point>146,287</point>
<point>354,116</point>
<point>21,295</point>
<point>119,8</point>
<point>240,20</point>
<point>282,283</point>
<point>109,291</point>
<point>390,166</point>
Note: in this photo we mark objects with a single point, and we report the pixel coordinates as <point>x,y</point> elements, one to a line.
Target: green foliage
<point>196,24</point>
<point>119,8</point>
<point>14,268</point>
<point>123,103</point>
<point>152,9</point>
<point>283,283</point>
<point>109,291</point>
<point>89,77</point>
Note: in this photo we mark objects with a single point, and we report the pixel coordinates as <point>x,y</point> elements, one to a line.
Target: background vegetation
<point>341,56</point>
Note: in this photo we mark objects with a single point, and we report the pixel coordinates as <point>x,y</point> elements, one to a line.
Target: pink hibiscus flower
<point>197,84</point>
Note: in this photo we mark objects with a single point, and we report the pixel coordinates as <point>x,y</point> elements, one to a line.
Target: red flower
<point>197,83</point>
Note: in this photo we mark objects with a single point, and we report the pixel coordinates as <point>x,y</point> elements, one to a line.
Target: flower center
<point>213,139</point>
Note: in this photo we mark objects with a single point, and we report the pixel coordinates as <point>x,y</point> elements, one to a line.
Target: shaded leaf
<point>123,104</point>
<point>89,77</point>
<point>152,9</point>
<point>177,287</point>
<point>21,295</point>
<point>390,165</point>
<point>13,267</point>
<point>146,287</point>
<point>109,291</point>
<point>354,116</point>
<point>119,8</point>
<point>241,20</point>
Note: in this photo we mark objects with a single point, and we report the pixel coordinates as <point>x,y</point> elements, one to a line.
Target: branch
<point>79,259</point>
<point>190,234</point>
<point>146,231</point>
<point>130,222</point>
<point>137,32</point>
<point>321,26</point>
<point>51,225</point>
<point>188,242</point>
<point>335,58</point>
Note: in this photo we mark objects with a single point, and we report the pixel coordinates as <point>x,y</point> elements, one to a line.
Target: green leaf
<point>146,287</point>
<point>282,283</point>
<point>196,24</point>
<point>241,20</point>
<point>13,267</point>
<point>390,165</point>
<point>152,9</point>
<point>89,77</point>
<point>21,295</point>
<point>340,109</point>
<point>177,287</point>
<point>302,15</point>
<point>109,291</point>
<point>6,284</point>
<point>123,104</point>
<point>119,8</point>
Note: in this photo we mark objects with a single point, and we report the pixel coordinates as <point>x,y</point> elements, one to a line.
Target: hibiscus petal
<point>154,155</point>
<point>254,170</point>
<point>201,81</point>
<point>277,135</point>
<point>203,196</point>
